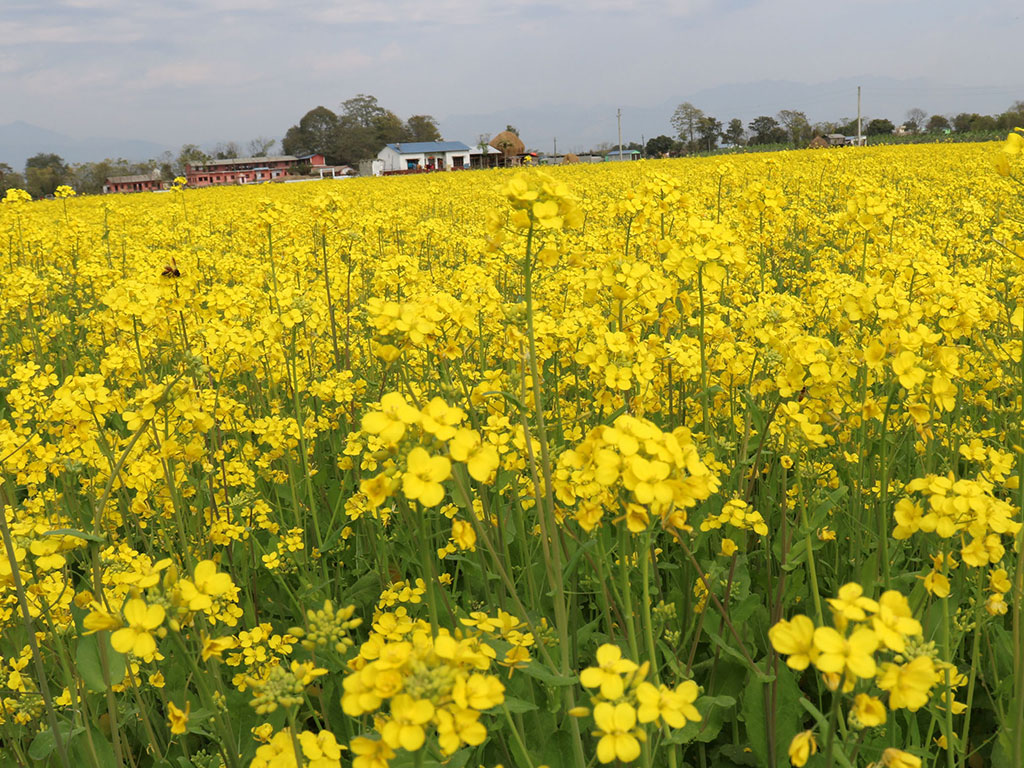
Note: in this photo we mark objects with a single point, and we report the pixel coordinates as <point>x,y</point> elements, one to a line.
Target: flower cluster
<point>423,684</point>
<point>635,467</point>
<point>625,701</point>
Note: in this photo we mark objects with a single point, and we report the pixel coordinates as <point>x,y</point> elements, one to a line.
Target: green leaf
<point>756,414</point>
<point>44,744</point>
<point>518,706</point>
<point>90,666</point>
<point>77,534</point>
<point>730,651</point>
<point>84,745</point>
<point>712,711</point>
<point>539,671</point>
<point>786,694</point>
<point>820,512</point>
<point>607,420</point>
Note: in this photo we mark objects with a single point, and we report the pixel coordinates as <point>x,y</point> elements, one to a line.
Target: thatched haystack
<point>570,158</point>
<point>818,142</point>
<point>508,144</point>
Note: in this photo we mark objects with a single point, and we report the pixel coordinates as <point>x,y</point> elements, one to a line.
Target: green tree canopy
<point>10,179</point>
<point>189,154</point>
<point>710,130</point>
<point>766,130</point>
<point>796,126</point>
<point>364,127</point>
<point>879,127</point>
<point>734,133</point>
<point>422,128</point>
<point>317,132</point>
<point>45,172</point>
<point>659,146</point>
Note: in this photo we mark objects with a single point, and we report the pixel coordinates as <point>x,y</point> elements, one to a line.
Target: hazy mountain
<point>582,127</point>
<point>20,141</point>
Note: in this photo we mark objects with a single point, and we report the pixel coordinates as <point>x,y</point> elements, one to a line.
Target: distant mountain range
<point>20,141</point>
<point>582,127</point>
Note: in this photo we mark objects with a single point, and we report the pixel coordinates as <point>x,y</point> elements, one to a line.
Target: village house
<point>144,182</point>
<point>625,155</point>
<point>485,157</point>
<point>248,170</point>
<point>424,156</point>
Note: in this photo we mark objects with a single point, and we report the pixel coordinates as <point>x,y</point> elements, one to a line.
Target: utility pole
<point>618,114</point>
<point>858,115</point>
<point>555,152</point>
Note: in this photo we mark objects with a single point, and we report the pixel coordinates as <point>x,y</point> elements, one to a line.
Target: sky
<point>208,70</point>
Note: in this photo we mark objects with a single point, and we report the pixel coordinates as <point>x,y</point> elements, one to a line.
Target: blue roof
<point>625,152</point>
<point>417,147</point>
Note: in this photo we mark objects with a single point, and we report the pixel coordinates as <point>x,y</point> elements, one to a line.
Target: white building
<point>424,156</point>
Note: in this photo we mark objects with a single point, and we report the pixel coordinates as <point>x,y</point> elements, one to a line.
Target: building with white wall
<point>412,156</point>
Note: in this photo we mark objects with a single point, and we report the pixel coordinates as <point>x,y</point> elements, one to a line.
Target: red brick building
<point>247,170</point>
<point>146,182</point>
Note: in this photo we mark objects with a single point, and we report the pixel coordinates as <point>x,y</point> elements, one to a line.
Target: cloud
<point>173,74</point>
<point>462,13</point>
<point>352,59</point>
<point>25,33</point>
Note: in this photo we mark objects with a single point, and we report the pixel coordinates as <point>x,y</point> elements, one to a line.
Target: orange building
<point>247,170</point>
<point>144,182</point>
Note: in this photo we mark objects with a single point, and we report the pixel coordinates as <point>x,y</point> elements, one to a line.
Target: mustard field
<point>682,463</point>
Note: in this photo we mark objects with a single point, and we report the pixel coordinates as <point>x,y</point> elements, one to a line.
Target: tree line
<point>696,131</point>
<point>362,126</point>
<point>46,171</point>
<point>356,131</point>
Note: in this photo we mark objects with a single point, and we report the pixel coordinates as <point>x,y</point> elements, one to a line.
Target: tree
<point>189,154</point>
<point>364,126</point>
<point>512,129</point>
<point>46,160</point>
<point>962,122</point>
<point>261,146</point>
<point>796,126</point>
<point>44,172</point>
<point>10,179</point>
<point>227,149</point>
<point>422,128</point>
<point>709,129</point>
<point>1012,117</point>
<point>316,133</point>
<point>659,146</point>
<point>985,123</point>
<point>165,162</point>
<point>89,178</point>
<point>735,132</point>
<point>766,130</point>
<point>848,127</point>
<point>936,124</point>
<point>684,120</point>
<point>915,119</point>
<point>879,127</point>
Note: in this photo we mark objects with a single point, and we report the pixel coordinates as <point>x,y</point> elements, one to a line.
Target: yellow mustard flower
<point>137,638</point>
<point>423,478</point>
<point>178,718</point>
<point>802,747</point>
<point>616,725</point>
<point>607,675</point>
